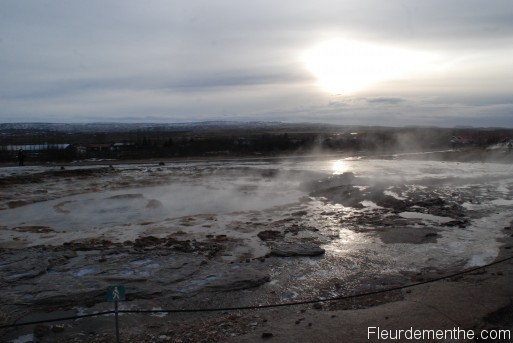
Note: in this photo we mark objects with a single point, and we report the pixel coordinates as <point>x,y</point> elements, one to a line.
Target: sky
<point>363,62</point>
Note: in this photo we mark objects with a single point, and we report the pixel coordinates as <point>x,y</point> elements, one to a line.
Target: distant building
<point>97,147</point>
<point>123,146</point>
<point>242,141</point>
<point>35,147</point>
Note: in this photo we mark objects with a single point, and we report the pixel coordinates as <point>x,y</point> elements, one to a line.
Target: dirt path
<point>465,304</point>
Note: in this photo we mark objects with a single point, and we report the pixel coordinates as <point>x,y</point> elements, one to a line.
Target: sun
<point>345,66</point>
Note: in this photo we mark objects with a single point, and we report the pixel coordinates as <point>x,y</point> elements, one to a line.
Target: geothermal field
<point>218,234</point>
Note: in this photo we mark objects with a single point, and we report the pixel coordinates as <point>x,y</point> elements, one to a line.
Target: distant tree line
<point>165,144</point>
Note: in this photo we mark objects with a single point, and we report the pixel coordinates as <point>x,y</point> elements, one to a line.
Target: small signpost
<point>115,294</point>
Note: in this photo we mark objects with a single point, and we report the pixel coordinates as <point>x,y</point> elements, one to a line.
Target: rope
<point>57,319</point>
<point>259,307</point>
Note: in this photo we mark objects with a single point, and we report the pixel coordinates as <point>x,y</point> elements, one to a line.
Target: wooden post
<point>116,294</point>
<point>117,322</point>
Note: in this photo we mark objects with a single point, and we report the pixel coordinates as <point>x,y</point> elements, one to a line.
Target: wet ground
<point>236,233</point>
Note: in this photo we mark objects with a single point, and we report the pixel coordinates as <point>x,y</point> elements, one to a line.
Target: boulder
<point>237,279</point>
<point>296,249</point>
<point>269,235</point>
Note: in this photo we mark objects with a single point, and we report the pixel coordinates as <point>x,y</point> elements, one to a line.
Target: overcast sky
<point>370,62</point>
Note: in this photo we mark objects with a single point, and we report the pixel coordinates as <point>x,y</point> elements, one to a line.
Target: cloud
<point>384,100</point>
<point>197,60</point>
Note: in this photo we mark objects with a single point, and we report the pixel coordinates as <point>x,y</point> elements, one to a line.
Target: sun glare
<point>339,167</point>
<point>344,66</point>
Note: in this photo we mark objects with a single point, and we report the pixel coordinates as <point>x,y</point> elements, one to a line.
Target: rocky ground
<point>345,234</point>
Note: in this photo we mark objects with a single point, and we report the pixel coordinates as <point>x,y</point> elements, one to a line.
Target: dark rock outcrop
<point>242,278</point>
<point>269,235</point>
<point>296,249</point>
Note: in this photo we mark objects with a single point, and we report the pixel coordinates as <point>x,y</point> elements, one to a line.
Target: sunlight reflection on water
<point>340,167</point>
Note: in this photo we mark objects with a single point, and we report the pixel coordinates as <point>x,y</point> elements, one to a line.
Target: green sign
<point>116,293</point>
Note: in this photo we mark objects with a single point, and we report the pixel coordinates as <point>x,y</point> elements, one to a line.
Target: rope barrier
<point>57,319</point>
<point>258,307</point>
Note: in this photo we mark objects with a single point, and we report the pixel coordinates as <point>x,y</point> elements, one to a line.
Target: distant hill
<point>214,126</point>
<point>124,127</point>
<point>131,127</point>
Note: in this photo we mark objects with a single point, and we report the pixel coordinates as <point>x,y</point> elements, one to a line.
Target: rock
<point>69,254</point>
<point>41,330</point>
<point>296,249</point>
<point>430,202</point>
<point>346,195</point>
<point>458,223</point>
<point>147,241</point>
<point>57,328</point>
<point>267,335</point>
<point>237,279</point>
<point>16,203</point>
<point>269,235</point>
<point>33,229</point>
<point>388,201</point>
<point>220,238</point>
<point>27,268</point>
<point>153,203</point>
<point>317,306</point>
<point>331,182</point>
<point>126,196</point>
<point>88,244</point>
<point>410,235</point>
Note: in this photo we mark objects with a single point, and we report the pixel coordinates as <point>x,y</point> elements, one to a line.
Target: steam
<point>231,187</point>
<point>213,192</point>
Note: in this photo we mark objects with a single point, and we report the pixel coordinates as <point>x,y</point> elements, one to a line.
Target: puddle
<point>481,260</point>
<point>159,314</point>
<point>209,195</point>
<point>394,194</point>
<point>425,216</point>
<point>370,204</point>
<point>84,272</point>
<point>23,339</point>
<point>502,202</point>
<point>142,262</point>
